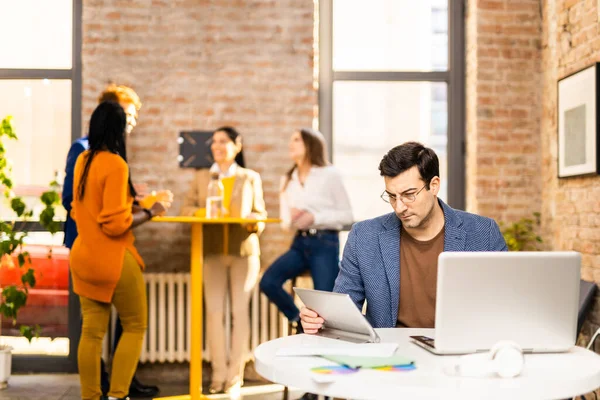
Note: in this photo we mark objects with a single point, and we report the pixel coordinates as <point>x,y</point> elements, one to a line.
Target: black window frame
<point>454,77</point>
<point>44,363</point>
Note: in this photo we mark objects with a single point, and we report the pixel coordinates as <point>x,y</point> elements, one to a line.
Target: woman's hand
<point>254,216</point>
<point>164,195</point>
<point>295,213</point>
<point>140,213</point>
<point>141,189</point>
<point>159,208</point>
<point>304,220</point>
<point>253,227</point>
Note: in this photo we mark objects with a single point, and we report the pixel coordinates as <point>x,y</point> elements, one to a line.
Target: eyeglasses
<point>404,198</point>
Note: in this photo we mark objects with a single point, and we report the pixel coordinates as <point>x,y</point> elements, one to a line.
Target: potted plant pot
<point>5,365</point>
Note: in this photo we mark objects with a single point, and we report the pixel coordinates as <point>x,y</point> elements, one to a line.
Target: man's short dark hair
<point>404,157</point>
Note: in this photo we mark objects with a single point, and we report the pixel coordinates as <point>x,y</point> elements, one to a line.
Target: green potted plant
<point>12,236</point>
<point>522,235</point>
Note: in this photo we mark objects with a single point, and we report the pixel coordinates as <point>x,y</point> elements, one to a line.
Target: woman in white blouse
<point>313,201</point>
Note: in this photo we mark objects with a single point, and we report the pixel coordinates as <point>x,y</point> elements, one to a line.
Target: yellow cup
<point>149,200</point>
<point>154,196</point>
<point>200,213</point>
<point>228,183</point>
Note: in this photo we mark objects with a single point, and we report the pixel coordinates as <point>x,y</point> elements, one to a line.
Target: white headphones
<point>504,359</point>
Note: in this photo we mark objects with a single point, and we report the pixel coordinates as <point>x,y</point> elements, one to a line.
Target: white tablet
<point>342,319</point>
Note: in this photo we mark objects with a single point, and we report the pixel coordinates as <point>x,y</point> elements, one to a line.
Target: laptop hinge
<point>528,351</point>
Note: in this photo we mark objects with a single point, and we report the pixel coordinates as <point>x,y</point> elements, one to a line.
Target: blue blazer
<point>78,147</point>
<point>370,266</point>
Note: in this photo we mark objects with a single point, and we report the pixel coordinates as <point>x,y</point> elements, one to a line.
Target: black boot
<point>104,382</point>
<point>312,396</point>
<point>309,396</point>
<point>138,389</point>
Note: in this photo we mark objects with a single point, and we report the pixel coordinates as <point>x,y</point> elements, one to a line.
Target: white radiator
<point>168,336</point>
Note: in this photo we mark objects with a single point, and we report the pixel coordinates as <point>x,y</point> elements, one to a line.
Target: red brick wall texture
<point>198,65</point>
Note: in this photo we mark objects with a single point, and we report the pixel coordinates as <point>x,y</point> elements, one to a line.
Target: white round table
<point>545,376</point>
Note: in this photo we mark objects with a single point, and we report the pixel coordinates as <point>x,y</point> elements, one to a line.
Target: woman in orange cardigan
<point>105,265</point>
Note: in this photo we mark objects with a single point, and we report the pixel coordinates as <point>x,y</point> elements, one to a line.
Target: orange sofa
<point>47,304</point>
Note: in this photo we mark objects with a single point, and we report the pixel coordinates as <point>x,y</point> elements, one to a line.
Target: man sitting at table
<point>391,261</point>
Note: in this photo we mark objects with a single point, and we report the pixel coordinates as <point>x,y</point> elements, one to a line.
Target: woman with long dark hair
<point>105,265</point>
<point>236,268</point>
<point>314,202</point>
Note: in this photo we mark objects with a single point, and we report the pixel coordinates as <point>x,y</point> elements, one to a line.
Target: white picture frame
<point>578,138</point>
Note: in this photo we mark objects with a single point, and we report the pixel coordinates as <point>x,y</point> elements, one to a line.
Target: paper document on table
<point>319,346</point>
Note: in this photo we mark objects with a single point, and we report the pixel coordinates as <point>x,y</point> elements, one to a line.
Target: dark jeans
<point>319,254</point>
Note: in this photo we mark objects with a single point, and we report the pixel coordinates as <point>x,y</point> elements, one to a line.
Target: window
<point>40,86</point>
<point>42,118</point>
<point>369,118</point>
<point>389,35</point>
<point>390,72</point>
<point>40,34</point>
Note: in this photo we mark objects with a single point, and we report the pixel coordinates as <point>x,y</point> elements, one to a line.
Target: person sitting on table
<point>391,261</point>
<point>241,260</point>
<point>314,202</point>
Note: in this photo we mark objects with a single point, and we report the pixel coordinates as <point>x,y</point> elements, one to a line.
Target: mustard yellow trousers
<point>130,301</point>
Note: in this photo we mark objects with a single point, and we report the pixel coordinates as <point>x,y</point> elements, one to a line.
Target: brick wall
<point>199,65</point>
<point>571,206</point>
<point>503,107</point>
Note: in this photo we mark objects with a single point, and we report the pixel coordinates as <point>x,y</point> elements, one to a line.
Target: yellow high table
<point>196,259</point>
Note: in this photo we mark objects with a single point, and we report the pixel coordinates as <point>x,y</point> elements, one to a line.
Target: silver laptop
<point>342,319</point>
<point>530,298</point>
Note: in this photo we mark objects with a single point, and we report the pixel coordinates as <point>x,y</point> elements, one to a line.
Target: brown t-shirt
<point>418,280</point>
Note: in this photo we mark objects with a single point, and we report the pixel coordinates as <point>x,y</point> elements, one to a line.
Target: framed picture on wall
<point>194,149</point>
<point>578,133</point>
